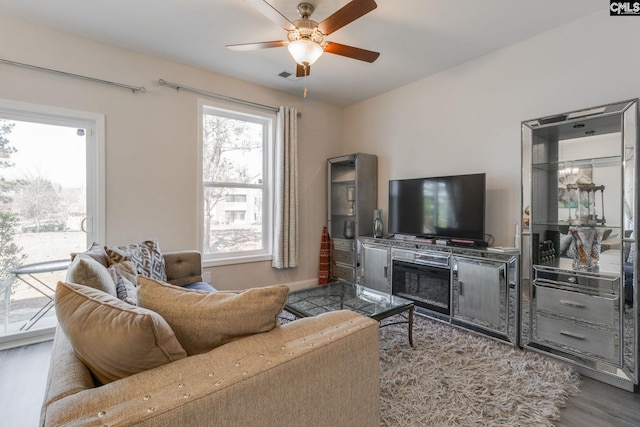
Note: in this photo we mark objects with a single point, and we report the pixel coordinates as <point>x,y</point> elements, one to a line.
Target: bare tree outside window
<point>37,199</point>
<point>42,204</point>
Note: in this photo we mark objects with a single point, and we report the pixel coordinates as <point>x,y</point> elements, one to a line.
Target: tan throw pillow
<point>112,338</point>
<point>145,255</point>
<point>205,320</point>
<point>124,275</point>
<point>86,271</point>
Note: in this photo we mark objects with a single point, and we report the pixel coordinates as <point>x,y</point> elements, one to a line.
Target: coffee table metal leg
<point>410,326</point>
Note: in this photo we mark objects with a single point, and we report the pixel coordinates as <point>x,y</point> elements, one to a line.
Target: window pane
<point>233,220</point>
<point>43,198</point>
<point>237,169</point>
<point>232,150</point>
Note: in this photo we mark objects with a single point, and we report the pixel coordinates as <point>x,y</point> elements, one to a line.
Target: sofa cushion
<point>204,320</point>
<point>145,255</point>
<point>86,271</point>
<point>124,276</point>
<point>112,338</point>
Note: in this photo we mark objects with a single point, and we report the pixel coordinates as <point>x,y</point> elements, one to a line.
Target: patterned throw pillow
<point>124,275</point>
<point>145,255</point>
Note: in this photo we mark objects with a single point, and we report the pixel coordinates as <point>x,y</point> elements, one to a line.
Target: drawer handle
<point>572,335</point>
<point>572,303</point>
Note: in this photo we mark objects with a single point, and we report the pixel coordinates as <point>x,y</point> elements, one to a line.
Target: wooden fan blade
<point>256,46</point>
<point>349,13</point>
<point>352,52</point>
<point>300,71</point>
<point>272,13</point>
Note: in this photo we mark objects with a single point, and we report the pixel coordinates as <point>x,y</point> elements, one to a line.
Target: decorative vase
<point>325,255</point>
<point>583,241</point>
<point>378,225</point>
<point>349,231</point>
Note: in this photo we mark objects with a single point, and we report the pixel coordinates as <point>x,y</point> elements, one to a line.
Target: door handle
<point>385,270</point>
<point>461,286</point>
<point>83,223</point>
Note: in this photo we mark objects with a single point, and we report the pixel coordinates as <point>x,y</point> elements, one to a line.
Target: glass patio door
<point>48,210</point>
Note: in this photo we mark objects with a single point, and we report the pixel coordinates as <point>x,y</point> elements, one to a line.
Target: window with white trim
<point>236,152</point>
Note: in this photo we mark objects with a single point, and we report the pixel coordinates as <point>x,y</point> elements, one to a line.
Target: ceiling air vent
<point>289,76</point>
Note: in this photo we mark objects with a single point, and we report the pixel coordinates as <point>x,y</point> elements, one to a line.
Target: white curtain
<point>285,242</point>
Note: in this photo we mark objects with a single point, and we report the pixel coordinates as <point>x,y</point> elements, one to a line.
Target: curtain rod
<point>134,89</point>
<point>217,96</point>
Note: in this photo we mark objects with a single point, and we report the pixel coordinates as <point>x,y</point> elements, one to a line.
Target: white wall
<point>151,139</point>
<point>467,119</point>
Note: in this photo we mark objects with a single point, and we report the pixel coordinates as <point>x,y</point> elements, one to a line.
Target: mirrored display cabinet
<point>579,290</point>
<point>352,197</point>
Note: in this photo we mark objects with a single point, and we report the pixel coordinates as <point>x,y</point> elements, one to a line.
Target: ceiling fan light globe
<point>305,52</point>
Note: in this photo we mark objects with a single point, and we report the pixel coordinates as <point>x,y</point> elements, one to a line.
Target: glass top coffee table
<point>342,295</point>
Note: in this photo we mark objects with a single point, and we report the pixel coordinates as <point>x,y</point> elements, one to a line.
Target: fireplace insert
<point>425,280</point>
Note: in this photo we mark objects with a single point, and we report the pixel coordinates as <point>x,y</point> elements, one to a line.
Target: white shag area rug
<point>456,378</point>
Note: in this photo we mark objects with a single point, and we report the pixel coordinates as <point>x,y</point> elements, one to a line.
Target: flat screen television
<point>449,207</point>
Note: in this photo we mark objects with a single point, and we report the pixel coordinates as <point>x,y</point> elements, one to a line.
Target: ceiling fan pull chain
<point>305,81</point>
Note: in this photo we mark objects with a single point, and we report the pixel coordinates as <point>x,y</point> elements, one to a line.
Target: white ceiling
<point>415,38</point>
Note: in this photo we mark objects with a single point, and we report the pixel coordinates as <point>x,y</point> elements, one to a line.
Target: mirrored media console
<point>476,289</point>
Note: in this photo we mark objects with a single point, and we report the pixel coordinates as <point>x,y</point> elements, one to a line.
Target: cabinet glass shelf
<point>335,215</point>
<point>573,224</point>
<point>609,161</point>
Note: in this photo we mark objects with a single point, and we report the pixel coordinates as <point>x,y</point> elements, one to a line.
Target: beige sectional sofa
<point>319,371</point>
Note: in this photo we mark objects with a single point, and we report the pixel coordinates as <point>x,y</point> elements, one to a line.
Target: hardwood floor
<point>23,376</point>
<point>601,405</point>
<point>23,373</point>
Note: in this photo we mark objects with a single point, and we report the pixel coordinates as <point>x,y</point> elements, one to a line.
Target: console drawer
<point>608,284</point>
<point>600,309</point>
<point>343,272</point>
<point>344,257</point>
<point>578,338</point>
<point>344,244</point>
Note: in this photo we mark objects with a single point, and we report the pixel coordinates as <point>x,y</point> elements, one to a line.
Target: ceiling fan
<point>306,38</point>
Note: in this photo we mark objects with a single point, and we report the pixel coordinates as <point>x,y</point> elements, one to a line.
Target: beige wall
<point>467,119</point>
<point>151,139</point>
